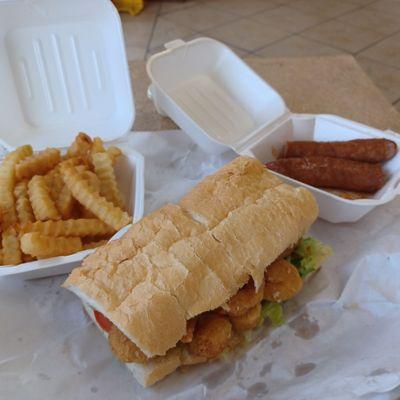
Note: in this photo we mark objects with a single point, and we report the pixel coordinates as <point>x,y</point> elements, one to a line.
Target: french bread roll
<point>183,260</point>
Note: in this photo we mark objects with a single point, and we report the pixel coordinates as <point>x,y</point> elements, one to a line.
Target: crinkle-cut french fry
<point>94,183</point>
<point>37,164</point>
<point>7,181</point>
<point>11,250</point>
<point>92,179</point>
<point>71,227</point>
<point>65,203</point>
<point>80,147</point>
<point>54,182</point>
<point>85,213</point>
<point>81,168</point>
<point>22,203</point>
<point>97,145</point>
<point>93,245</point>
<point>73,161</point>
<point>97,204</point>
<point>114,153</point>
<point>42,246</point>
<point>60,194</point>
<point>108,184</point>
<point>27,258</point>
<point>42,204</point>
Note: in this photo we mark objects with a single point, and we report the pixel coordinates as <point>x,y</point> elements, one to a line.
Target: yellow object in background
<point>132,7</point>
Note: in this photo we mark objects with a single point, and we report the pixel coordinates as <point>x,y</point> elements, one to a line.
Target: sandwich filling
<point>210,334</point>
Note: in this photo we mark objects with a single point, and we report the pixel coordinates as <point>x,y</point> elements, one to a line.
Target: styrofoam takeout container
<point>221,103</point>
<point>129,170</point>
<point>63,70</point>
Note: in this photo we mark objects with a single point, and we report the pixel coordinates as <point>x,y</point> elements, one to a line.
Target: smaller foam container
<point>221,103</point>
<point>63,70</point>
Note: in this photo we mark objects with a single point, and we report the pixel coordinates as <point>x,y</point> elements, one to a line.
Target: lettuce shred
<point>309,255</point>
<point>274,312</point>
<point>248,337</point>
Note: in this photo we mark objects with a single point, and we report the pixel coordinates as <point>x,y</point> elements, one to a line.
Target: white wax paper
<point>341,340</point>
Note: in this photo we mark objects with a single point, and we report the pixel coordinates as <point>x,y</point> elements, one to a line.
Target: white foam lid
<point>225,100</point>
<point>63,69</point>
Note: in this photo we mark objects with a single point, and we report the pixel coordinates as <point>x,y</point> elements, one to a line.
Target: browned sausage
<point>333,173</point>
<point>368,150</point>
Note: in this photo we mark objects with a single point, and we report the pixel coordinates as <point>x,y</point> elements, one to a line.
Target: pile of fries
<point>53,205</point>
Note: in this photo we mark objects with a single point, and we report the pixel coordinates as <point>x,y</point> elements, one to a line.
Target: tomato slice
<point>103,321</point>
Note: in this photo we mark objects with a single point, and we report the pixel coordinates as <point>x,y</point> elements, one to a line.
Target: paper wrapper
<point>341,339</point>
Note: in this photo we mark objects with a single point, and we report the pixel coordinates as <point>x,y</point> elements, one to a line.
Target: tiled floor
<point>367,29</point>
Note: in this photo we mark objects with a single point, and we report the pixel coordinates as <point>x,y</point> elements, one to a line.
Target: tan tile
<point>242,7</point>
<point>343,36</point>
<point>386,51</point>
<point>240,52</point>
<point>137,33</point>
<point>169,6</point>
<point>386,6</point>
<point>296,46</point>
<point>385,24</point>
<point>199,17</point>
<point>324,8</point>
<point>289,19</point>
<point>386,78</point>
<point>165,31</point>
<point>247,34</point>
<point>149,11</point>
<point>135,53</point>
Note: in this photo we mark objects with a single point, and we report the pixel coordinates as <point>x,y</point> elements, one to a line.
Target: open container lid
<point>63,69</point>
<point>223,98</point>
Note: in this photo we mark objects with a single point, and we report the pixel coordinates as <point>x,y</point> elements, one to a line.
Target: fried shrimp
<point>211,336</point>
<point>247,321</point>
<point>282,281</point>
<point>123,348</point>
<point>190,325</point>
<point>245,299</point>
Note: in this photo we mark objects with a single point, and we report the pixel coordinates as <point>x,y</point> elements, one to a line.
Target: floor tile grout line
<point>329,45</point>
<point>179,9</point>
<point>271,44</point>
<point>152,30</point>
<point>242,16</point>
<point>329,19</point>
<point>378,62</point>
<point>241,48</point>
<point>379,10</point>
<point>377,42</point>
<point>356,8</point>
<point>212,27</point>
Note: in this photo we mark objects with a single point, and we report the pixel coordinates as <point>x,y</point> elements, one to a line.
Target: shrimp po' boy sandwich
<point>187,282</point>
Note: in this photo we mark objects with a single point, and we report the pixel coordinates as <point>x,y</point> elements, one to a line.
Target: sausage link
<point>332,173</point>
<point>367,150</point>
